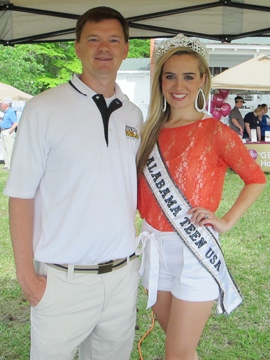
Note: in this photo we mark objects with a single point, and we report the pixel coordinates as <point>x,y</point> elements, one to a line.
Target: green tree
<point>34,68</point>
<point>139,48</point>
<point>18,67</point>
<point>59,61</point>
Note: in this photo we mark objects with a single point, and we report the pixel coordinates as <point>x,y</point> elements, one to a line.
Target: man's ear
<point>77,48</point>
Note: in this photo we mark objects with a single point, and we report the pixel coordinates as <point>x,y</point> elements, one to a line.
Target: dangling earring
<point>196,101</point>
<point>165,104</point>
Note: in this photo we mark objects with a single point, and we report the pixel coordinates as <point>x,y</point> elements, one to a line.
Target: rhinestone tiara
<point>180,40</point>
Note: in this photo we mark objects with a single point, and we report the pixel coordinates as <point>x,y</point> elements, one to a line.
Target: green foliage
<point>34,68</point>
<point>19,68</point>
<point>59,61</point>
<point>139,48</point>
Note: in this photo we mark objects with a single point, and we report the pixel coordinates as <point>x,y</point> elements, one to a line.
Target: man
<point>8,125</point>
<point>74,209</point>
<point>236,121</point>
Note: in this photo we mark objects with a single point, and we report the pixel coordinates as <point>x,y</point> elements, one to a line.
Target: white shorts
<point>179,271</point>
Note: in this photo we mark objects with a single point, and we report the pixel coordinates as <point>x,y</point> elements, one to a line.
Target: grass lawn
<point>244,335</point>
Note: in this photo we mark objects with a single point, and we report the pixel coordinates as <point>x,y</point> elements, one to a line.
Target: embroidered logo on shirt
<point>132,132</point>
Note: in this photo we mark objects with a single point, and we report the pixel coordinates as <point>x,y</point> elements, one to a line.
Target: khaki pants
<point>7,141</point>
<point>95,312</point>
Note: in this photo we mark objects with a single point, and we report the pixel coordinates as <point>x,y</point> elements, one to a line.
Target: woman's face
<point>181,81</point>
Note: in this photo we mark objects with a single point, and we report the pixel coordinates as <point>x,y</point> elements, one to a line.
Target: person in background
<point>265,122</point>
<point>252,121</point>
<point>8,126</point>
<point>182,163</point>
<point>236,121</point>
<point>74,209</point>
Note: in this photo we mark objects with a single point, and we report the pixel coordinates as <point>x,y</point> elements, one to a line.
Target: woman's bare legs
<point>162,308</point>
<point>183,322</point>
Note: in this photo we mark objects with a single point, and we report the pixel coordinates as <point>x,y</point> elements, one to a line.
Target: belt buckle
<point>106,267</point>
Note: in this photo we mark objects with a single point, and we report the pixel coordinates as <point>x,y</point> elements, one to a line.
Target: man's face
<point>3,106</point>
<point>102,48</point>
<point>239,103</point>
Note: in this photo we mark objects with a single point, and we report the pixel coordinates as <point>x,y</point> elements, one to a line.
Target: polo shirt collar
<point>87,91</point>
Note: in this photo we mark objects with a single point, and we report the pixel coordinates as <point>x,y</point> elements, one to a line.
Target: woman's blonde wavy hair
<point>156,117</point>
<point>258,110</point>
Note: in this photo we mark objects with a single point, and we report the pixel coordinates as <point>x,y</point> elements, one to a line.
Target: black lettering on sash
<point>217,266</point>
<point>195,235</point>
<point>176,210</point>
<point>160,184</point>
<point>164,192</point>
<point>190,229</point>
<point>149,161</point>
<point>186,221</point>
<point>151,167</point>
<point>209,253</point>
<point>201,242</point>
<point>213,260</point>
<point>170,201</point>
<point>156,176</point>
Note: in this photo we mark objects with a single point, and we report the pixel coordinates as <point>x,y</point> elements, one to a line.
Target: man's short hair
<point>239,98</point>
<point>7,101</point>
<point>99,14</point>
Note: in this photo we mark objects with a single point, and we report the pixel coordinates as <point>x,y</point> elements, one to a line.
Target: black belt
<point>102,268</point>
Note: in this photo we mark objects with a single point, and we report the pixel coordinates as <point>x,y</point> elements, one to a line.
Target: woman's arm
<point>246,198</point>
<point>259,134</point>
<point>247,127</point>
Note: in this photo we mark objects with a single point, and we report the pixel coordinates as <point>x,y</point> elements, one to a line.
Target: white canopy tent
<point>8,91</point>
<point>26,21</point>
<point>250,76</point>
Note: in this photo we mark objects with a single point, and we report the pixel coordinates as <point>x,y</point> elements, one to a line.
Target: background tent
<point>11,92</point>
<point>250,76</point>
<point>25,21</point>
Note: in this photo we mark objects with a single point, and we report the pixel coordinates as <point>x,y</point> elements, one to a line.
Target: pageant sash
<point>200,240</point>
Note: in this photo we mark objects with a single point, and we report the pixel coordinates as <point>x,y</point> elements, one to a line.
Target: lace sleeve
<point>234,153</point>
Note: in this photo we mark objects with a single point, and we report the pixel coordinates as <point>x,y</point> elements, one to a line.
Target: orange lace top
<point>197,156</point>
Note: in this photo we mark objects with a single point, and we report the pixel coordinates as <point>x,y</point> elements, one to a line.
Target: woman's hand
<point>201,216</point>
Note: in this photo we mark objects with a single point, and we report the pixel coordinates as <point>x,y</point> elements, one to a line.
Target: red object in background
<point>224,93</point>
<point>218,100</point>
<point>225,109</point>
<point>217,114</point>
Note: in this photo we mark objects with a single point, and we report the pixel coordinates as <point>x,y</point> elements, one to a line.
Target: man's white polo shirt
<point>85,190</point>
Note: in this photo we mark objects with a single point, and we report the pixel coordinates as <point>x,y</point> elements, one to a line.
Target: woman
<point>265,122</point>
<point>252,121</point>
<point>196,151</point>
